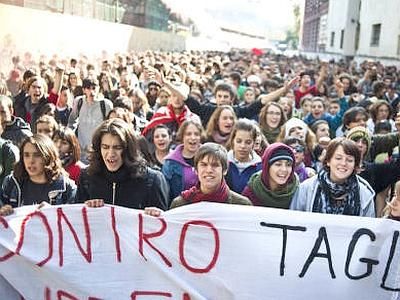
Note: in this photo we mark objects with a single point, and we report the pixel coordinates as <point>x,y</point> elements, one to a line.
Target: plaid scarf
<point>337,199</point>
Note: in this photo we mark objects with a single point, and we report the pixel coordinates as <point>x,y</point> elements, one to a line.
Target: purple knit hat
<point>273,153</point>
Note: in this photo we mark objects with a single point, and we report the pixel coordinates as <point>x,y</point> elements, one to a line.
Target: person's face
<point>243,145</point>
<point>383,113</point>
<point>346,83</point>
<point>161,139</point>
<point>91,92</point>
<point>362,146</point>
<point>45,129</point>
<point>359,120</point>
<point>279,173</point>
<point>164,98</point>
<point>5,113</point>
<point>317,109</point>
<point>273,117</point>
<point>286,106</point>
<point>298,152</point>
<point>297,132</point>
<point>111,152</point>
<point>223,98</point>
<point>209,171</point>
<point>153,90</point>
<point>33,162</point>
<point>63,146</point>
<point>36,91</point>
<point>191,139</point>
<point>136,104</point>
<point>249,97</point>
<point>334,108</point>
<point>322,131</point>
<point>73,80</point>
<point>306,107</point>
<point>341,165</point>
<point>177,101</point>
<point>226,121</point>
<point>63,98</point>
<point>305,80</point>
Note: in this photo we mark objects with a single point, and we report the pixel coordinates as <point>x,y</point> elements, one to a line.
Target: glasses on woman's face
<point>273,113</point>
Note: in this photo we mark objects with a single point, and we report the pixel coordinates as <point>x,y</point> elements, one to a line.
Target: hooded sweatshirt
<point>258,189</point>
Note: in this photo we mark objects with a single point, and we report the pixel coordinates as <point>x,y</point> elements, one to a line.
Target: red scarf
<point>194,194</point>
<point>167,115</point>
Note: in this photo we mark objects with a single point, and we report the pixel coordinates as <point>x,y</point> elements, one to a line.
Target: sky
<point>260,17</point>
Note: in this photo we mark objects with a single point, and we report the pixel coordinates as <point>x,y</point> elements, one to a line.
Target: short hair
<point>245,125</point>
<point>351,114</point>
<point>349,147</point>
<point>68,135</point>
<point>319,99</point>
<point>131,157</point>
<point>378,86</point>
<point>383,125</point>
<point>235,76</point>
<point>52,163</point>
<point>184,126</point>
<point>87,83</point>
<point>215,151</point>
<point>47,119</point>
<point>314,126</point>
<point>124,102</point>
<point>226,88</point>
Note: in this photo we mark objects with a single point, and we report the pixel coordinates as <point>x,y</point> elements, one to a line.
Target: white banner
<point>202,251</point>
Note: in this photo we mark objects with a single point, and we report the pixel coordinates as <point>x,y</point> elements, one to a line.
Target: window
<point>376,34</point>
<point>332,38</point>
<point>341,38</point>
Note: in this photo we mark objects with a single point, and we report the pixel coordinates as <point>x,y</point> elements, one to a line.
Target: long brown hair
<point>52,163</point>
<point>68,135</point>
<point>131,154</point>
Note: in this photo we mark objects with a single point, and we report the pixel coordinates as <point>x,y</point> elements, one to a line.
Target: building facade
<point>356,29</point>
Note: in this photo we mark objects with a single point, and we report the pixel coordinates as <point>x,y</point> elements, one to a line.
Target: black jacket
<point>204,111</point>
<point>118,188</point>
<point>16,131</point>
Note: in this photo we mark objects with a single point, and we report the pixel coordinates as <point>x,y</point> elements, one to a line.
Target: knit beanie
<point>295,122</point>
<point>273,153</point>
<point>360,132</point>
<point>280,154</point>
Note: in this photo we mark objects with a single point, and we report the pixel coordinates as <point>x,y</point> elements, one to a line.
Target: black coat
<point>119,188</point>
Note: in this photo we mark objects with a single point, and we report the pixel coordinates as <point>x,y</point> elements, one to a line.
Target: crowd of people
<point>156,130</point>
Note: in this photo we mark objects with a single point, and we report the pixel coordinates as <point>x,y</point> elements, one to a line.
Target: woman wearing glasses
<point>271,119</point>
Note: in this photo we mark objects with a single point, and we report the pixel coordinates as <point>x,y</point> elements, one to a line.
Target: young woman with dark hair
<point>117,173</point>
<point>69,152</point>
<point>337,189</point>
<point>37,177</point>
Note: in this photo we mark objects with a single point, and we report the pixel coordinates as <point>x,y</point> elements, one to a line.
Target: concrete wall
<point>343,15</point>
<point>385,12</point>
<point>40,32</point>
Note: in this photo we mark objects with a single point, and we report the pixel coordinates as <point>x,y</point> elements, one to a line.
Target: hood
<point>265,161</point>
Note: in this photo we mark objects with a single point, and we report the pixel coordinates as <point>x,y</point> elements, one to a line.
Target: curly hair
<point>131,156</point>
<point>48,151</point>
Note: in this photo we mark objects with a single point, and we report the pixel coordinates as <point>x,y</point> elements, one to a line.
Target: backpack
<point>102,107</point>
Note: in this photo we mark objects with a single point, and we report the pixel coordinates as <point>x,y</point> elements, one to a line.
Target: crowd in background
<point>156,130</point>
